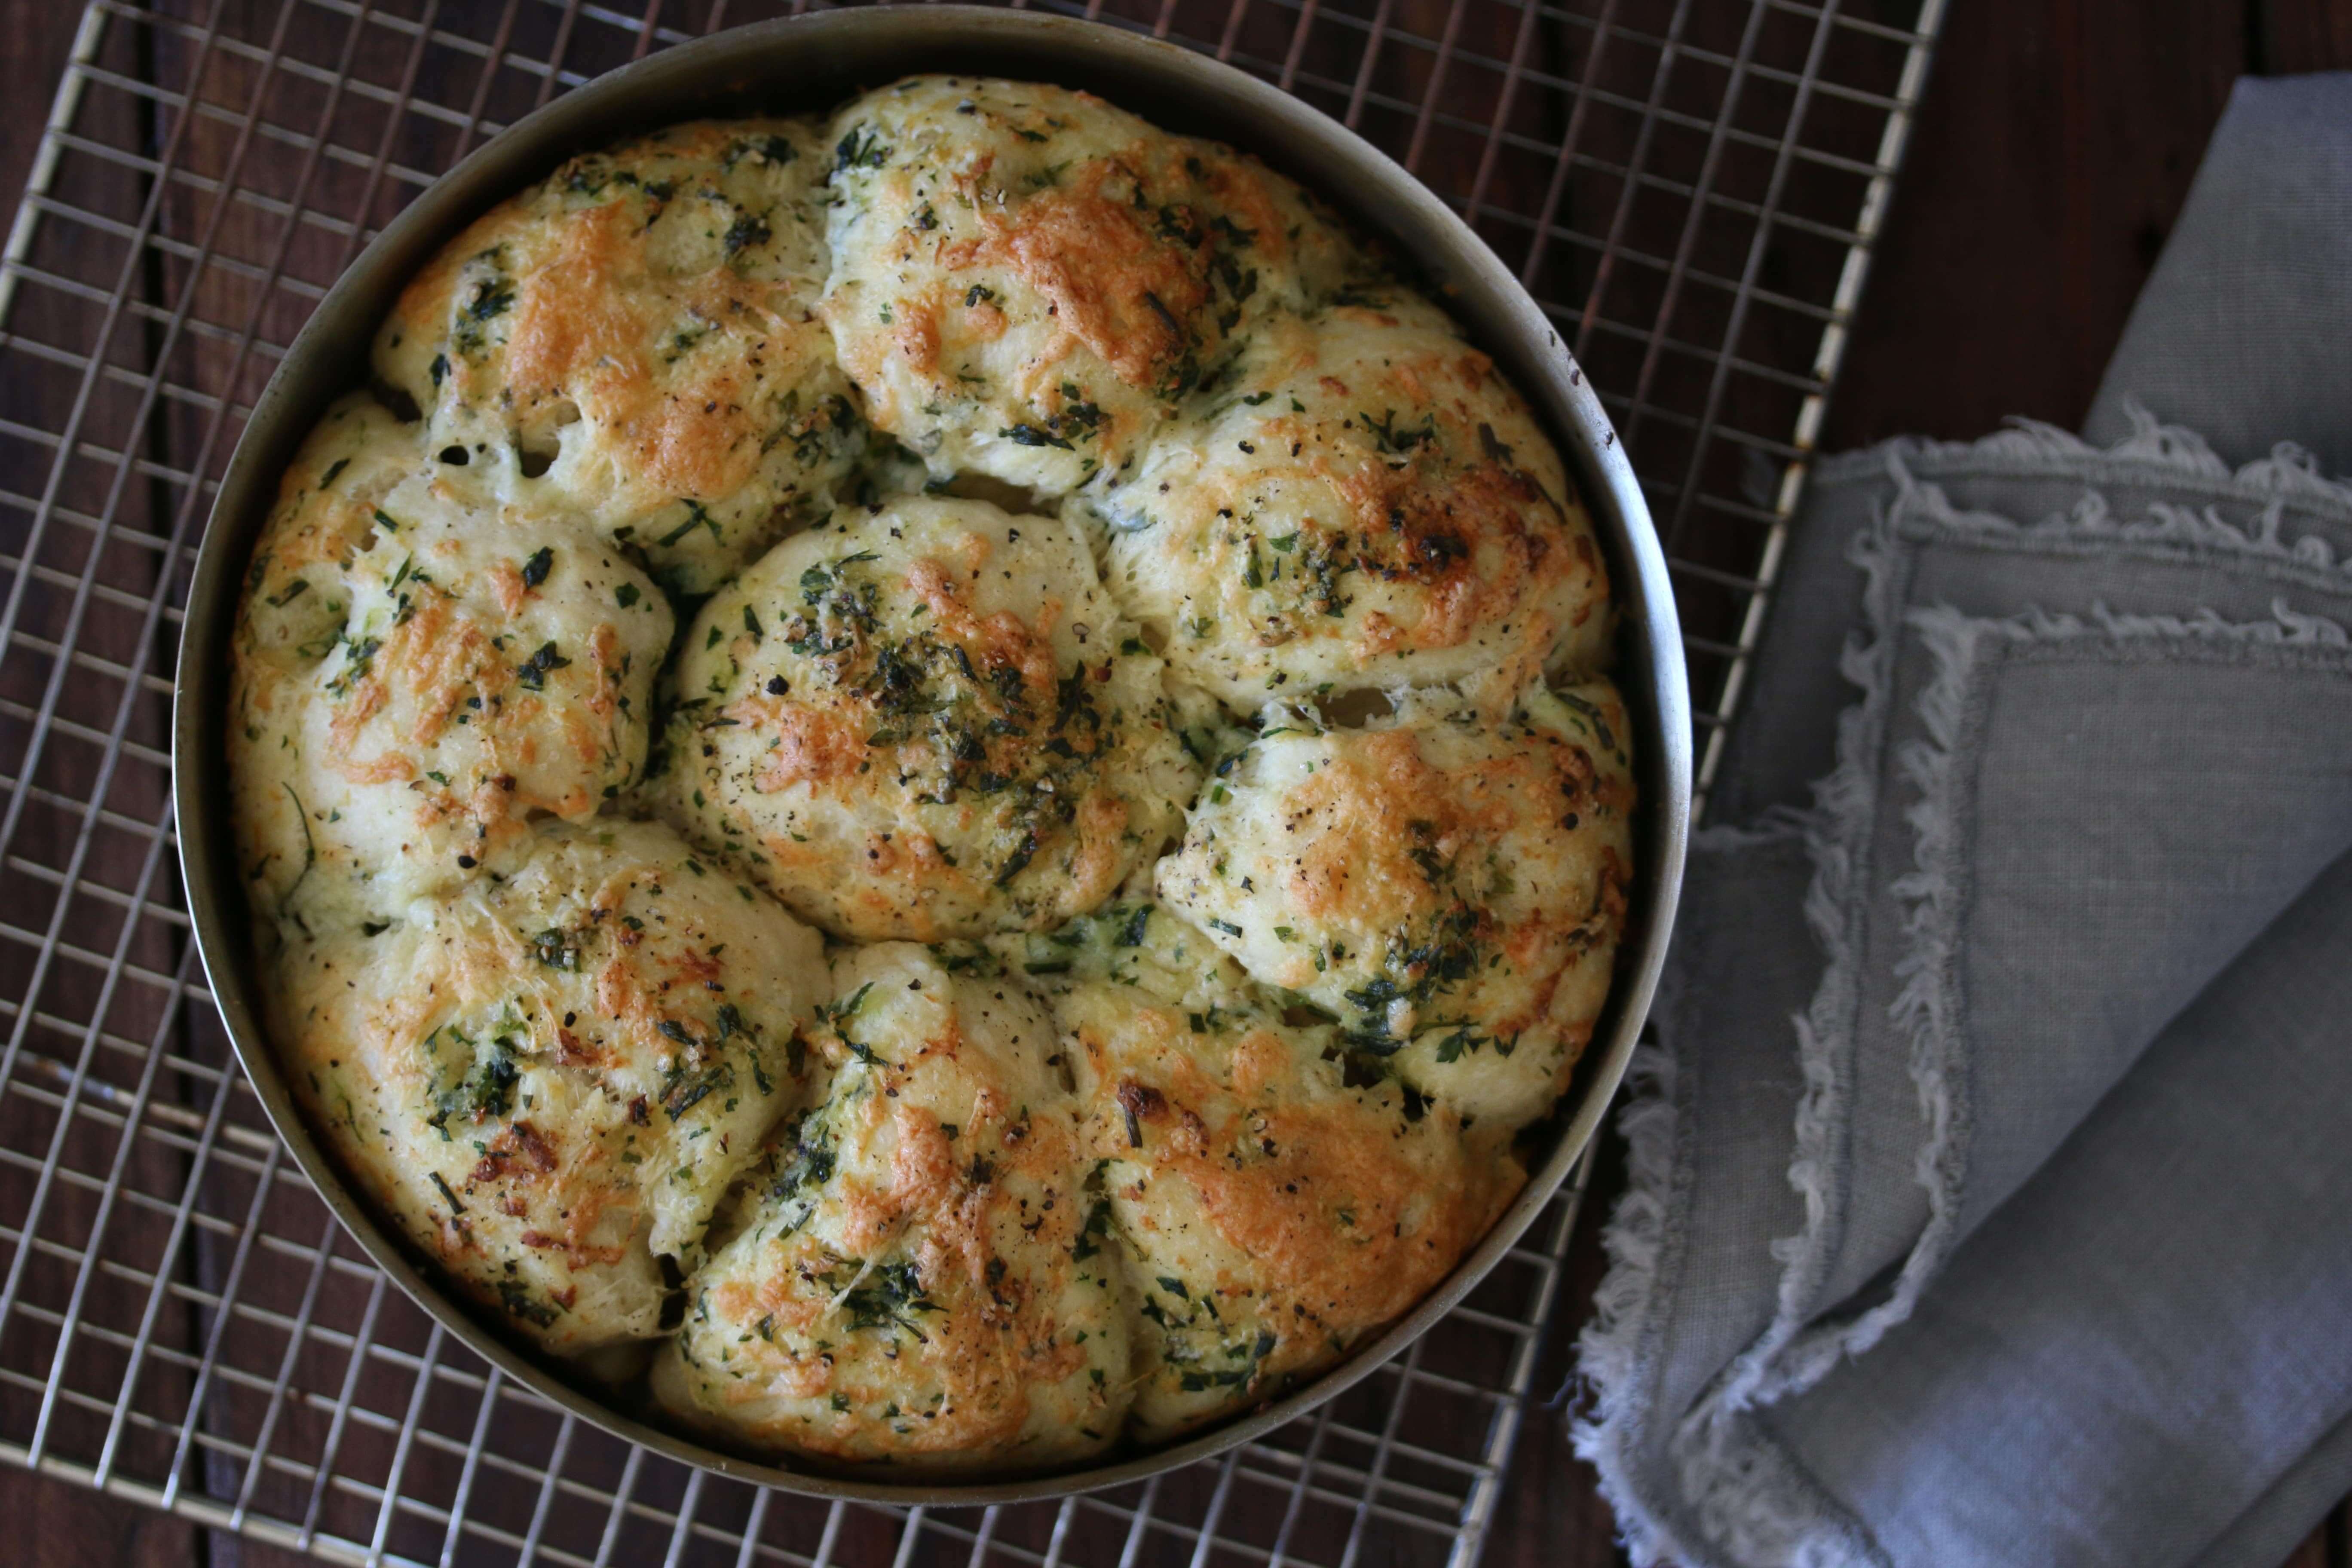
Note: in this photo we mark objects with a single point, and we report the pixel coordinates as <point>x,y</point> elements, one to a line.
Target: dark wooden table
<point>2056,143</point>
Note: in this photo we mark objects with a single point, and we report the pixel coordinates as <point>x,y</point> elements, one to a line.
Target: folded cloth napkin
<point>2239,333</point>
<point>1995,1211</point>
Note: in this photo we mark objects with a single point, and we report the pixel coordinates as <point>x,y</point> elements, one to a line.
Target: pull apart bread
<point>949,775</point>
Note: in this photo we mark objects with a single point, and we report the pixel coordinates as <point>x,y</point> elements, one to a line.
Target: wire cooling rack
<point>1690,186</point>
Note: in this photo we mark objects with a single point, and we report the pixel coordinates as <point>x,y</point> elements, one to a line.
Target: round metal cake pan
<point>812,64</point>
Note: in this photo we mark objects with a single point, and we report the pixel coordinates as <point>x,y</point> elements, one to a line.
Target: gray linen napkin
<point>2240,332</point>
<point>1995,1212</point>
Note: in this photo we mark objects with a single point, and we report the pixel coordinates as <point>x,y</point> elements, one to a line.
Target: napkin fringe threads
<point>2171,455</point>
<point>1738,1487</point>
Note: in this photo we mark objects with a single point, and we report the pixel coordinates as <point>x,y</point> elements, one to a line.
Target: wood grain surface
<point>2056,143</point>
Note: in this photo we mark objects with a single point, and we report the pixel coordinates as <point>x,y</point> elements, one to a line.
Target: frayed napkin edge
<point>2155,452</point>
<point>1795,1352</point>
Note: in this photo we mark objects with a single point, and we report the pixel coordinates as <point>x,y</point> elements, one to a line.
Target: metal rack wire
<point>1690,186</point>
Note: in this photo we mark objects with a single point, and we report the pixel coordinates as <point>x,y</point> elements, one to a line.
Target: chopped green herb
<point>695,517</point>
<point>532,672</point>
<point>861,149</point>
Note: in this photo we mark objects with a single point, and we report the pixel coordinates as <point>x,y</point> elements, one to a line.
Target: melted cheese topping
<point>1027,281</point>
<point>914,1278</point>
<point>1274,1212</point>
<point>550,1082</point>
<point>1215,1065</point>
<point>925,719</point>
<point>420,671</point>
<point>1362,502</point>
<point>643,322</point>
<point>1450,889</point>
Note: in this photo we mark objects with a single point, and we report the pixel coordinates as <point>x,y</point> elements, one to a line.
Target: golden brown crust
<point>643,320</point>
<point>418,670</point>
<point>582,324</point>
<point>1026,281</point>
<point>913,1282</point>
<point>1309,1196</point>
<point>1108,279</point>
<point>1451,889</point>
<point>1365,503</point>
<point>550,1084</point>
<point>1275,1214</point>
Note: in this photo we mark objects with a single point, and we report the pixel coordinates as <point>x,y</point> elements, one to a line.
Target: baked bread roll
<point>914,1278</point>
<point>638,336</point>
<point>1273,1208</point>
<point>1363,503</point>
<point>549,1081</point>
<point>924,720</point>
<point>1450,889</point>
<point>1026,281</point>
<point>421,669</point>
